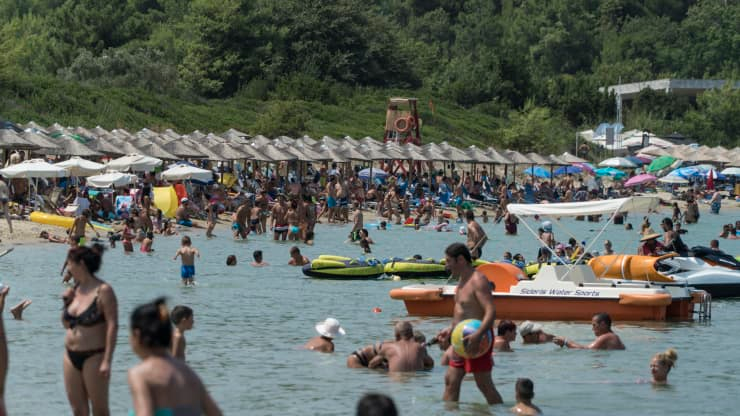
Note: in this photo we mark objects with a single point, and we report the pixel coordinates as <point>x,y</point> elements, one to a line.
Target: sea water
<point>250,324</point>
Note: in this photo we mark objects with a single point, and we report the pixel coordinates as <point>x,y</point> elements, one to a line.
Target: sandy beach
<point>27,232</point>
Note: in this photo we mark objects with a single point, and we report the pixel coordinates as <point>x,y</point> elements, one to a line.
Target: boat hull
<point>537,308</point>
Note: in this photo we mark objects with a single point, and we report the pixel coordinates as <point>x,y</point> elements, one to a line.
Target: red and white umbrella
<point>640,179</point>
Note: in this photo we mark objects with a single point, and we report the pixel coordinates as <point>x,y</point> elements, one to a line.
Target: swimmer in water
<point>524,395</point>
<point>661,365</point>
<point>258,262</point>
<point>324,342</point>
<point>601,324</point>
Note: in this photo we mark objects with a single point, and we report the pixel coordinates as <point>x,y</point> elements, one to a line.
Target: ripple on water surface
<point>250,322</point>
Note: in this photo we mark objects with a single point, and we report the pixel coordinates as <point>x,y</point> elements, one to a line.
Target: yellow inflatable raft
<point>60,221</point>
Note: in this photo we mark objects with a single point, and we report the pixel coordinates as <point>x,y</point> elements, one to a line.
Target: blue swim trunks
<point>343,202</point>
<point>186,223</point>
<point>331,202</point>
<point>187,272</point>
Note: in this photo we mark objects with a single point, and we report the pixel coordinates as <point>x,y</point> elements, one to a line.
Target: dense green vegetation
<point>513,73</point>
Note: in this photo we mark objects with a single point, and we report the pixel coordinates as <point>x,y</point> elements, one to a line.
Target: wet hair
<point>458,249</point>
<point>667,357</point>
<point>469,215</point>
<point>714,244</point>
<point>231,260</point>
<point>404,330</point>
<point>605,318</point>
<point>153,323</point>
<point>376,404</point>
<point>524,388</point>
<point>295,250</point>
<point>44,234</point>
<point>92,257</point>
<point>505,326</point>
<point>257,254</point>
<point>572,241</point>
<point>179,313</point>
<point>186,241</point>
<point>419,337</point>
<point>507,254</point>
<point>365,232</point>
<point>668,222</point>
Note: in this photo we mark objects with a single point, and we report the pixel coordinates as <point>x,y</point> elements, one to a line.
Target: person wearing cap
<point>532,333</point>
<point>601,324</point>
<point>548,240</point>
<point>650,245</point>
<point>181,214</point>
<point>324,342</point>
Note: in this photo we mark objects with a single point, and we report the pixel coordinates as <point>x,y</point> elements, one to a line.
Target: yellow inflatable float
<point>60,221</point>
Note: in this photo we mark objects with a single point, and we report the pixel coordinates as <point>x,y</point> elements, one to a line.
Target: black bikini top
<point>89,317</point>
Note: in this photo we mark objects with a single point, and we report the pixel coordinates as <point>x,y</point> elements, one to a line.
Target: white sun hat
<point>330,328</point>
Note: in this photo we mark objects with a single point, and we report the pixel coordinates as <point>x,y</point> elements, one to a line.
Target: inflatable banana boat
<point>343,268</point>
<point>415,268</point>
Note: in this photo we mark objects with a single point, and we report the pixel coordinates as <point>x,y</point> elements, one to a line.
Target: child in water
<point>182,318</point>
<point>188,253</point>
<point>146,244</point>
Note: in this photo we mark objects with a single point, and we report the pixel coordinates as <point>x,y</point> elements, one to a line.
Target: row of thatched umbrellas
<point>235,145</point>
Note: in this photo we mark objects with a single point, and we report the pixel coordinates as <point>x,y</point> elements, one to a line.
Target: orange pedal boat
<point>562,293</point>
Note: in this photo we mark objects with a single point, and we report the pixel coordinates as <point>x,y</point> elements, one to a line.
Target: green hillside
<point>520,74</point>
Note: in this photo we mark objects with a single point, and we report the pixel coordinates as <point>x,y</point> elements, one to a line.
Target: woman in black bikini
<point>91,319</point>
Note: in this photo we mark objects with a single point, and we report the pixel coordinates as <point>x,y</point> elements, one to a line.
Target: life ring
<point>403,124</point>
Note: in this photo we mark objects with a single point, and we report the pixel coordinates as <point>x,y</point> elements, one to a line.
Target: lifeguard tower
<point>402,124</point>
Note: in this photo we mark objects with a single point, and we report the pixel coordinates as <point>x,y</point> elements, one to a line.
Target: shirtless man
<point>262,203</point>
<point>77,231</point>
<point>279,220</point>
<point>357,222</point>
<point>240,220</point>
<point>332,189</point>
<point>403,355</point>
<point>601,324</point>
<point>506,331</point>
<point>476,236</point>
<point>296,258</point>
<point>473,300</point>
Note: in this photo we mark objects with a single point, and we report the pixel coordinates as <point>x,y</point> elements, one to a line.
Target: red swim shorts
<point>474,365</point>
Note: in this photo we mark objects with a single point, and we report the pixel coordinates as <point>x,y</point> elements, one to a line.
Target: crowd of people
<point>290,211</point>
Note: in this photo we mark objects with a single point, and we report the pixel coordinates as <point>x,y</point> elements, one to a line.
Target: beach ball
<point>466,328</point>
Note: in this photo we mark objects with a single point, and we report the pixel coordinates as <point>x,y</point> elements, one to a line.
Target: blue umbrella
<point>614,173</point>
<point>687,172</point>
<point>377,174</point>
<point>636,160</point>
<point>564,170</point>
<point>537,171</point>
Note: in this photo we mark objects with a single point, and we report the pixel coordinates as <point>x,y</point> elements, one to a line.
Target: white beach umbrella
<point>34,168</point>
<point>617,162</point>
<point>183,171</point>
<point>134,162</point>
<point>78,166</point>
<point>111,179</point>
<point>673,179</point>
<point>731,171</point>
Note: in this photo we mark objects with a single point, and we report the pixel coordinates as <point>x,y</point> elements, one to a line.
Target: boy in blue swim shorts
<point>188,253</point>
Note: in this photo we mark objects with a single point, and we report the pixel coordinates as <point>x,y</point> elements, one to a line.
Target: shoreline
<point>27,232</point>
